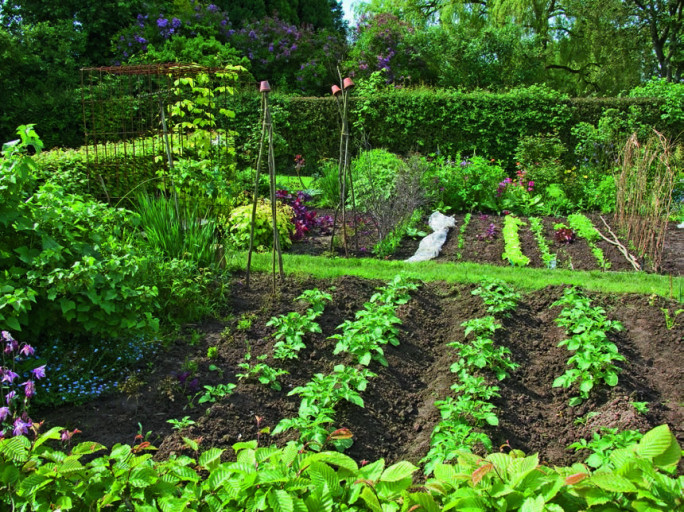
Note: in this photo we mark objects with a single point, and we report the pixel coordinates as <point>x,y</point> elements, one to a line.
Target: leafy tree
<point>99,21</point>
<point>664,21</point>
<point>39,76</point>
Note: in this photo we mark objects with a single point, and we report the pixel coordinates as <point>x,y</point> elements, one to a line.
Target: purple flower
<point>162,22</point>
<point>176,23</point>
<point>11,346</point>
<point>193,385</point>
<point>4,413</point>
<point>7,336</point>
<point>270,47</point>
<point>39,372</point>
<point>27,350</point>
<point>293,47</point>
<point>252,34</point>
<point>21,427</point>
<point>8,376</point>
<point>29,388</point>
<point>10,396</point>
<point>212,8</point>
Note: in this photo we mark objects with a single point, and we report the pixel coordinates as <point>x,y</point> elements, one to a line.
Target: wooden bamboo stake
<point>256,189</point>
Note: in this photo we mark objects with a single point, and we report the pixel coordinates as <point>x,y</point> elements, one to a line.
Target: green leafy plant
<point>245,322</point>
<point>480,352</point>
<point>671,320</point>
<point>261,371</point>
<point>391,242</point>
<point>212,353</point>
<point>604,443</point>
<point>238,225</point>
<point>292,327</point>
<point>498,296</point>
<point>375,325</point>
<point>512,251</point>
<point>594,355</point>
<point>639,479</point>
<point>461,235</point>
<point>214,393</point>
<point>178,231</point>
<point>182,423</point>
<point>317,409</point>
<point>537,228</point>
<point>584,228</point>
<point>640,407</point>
<point>36,476</point>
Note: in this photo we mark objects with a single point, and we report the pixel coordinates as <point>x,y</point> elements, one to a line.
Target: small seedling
<point>179,425</point>
<point>245,322</point>
<point>671,321</point>
<point>640,407</point>
<point>212,352</point>
<point>195,338</point>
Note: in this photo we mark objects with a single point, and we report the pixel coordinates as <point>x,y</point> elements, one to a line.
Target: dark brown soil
<point>477,248</point>
<point>399,413</point>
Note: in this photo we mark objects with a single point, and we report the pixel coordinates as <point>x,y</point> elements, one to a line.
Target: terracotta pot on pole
<point>264,86</point>
<point>336,91</point>
<point>348,84</point>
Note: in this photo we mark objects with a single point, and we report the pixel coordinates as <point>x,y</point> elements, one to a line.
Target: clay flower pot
<point>336,90</point>
<point>264,87</point>
<point>348,83</point>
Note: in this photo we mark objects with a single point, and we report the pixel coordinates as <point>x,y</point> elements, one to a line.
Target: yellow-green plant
<point>238,225</point>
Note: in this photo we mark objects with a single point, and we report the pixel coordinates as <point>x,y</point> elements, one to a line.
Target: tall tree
<point>99,21</point>
<point>664,21</point>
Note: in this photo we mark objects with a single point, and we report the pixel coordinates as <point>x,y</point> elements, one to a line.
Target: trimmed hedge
<point>401,121</point>
<point>429,121</point>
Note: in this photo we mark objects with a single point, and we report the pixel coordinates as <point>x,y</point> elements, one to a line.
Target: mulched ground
<point>399,415</point>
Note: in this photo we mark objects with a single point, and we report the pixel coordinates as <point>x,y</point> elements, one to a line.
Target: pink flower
<point>29,388</point>
<point>27,350</point>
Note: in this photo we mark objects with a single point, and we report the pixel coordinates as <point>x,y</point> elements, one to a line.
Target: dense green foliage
<point>37,476</point>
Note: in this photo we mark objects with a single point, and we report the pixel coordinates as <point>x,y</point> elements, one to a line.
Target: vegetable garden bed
<point>399,412</point>
<point>483,243</point>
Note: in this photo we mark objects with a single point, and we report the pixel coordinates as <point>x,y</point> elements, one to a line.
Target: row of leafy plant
<point>374,326</point>
<point>594,355</point>
<point>36,476</point>
<point>464,414</point>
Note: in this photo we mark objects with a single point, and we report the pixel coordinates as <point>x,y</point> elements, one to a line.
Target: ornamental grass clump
<point>17,365</point>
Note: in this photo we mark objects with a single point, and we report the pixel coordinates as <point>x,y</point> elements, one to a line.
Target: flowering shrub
<point>296,58</point>
<point>382,42</point>
<point>516,194</point>
<point>464,183</point>
<point>15,395</point>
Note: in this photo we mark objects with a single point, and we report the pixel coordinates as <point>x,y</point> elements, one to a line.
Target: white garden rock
<point>431,245</point>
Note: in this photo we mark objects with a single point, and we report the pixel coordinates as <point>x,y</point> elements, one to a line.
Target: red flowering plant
<point>18,374</point>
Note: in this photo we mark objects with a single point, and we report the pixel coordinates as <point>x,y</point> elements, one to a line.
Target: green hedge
<point>428,121</point>
<point>401,121</point>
